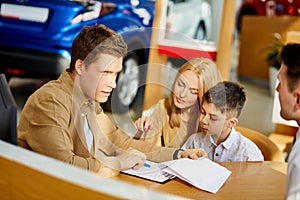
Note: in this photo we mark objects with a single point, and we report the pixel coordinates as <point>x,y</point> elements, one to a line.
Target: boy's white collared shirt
<point>236,148</point>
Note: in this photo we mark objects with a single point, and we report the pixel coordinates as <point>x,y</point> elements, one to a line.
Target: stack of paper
<point>202,173</point>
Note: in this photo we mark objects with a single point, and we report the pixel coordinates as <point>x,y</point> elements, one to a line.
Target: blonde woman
<point>176,117</point>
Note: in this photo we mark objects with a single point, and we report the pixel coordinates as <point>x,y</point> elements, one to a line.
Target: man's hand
<point>131,158</point>
<point>192,153</point>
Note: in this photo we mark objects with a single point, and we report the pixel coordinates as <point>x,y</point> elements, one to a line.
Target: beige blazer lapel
<point>79,117</point>
<point>79,109</point>
<point>91,116</point>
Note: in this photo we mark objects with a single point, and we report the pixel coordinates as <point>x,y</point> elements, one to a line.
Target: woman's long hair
<point>208,75</point>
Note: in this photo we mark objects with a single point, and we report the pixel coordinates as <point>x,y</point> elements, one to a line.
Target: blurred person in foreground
<point>63,118</point>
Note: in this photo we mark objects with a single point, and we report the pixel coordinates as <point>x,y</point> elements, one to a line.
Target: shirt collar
<point>92,105</point>
<point>230,140</point>
<point>298,134</point>
<point>212,141</point>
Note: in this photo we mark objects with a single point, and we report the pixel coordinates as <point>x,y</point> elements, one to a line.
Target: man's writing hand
<point>131,158</point>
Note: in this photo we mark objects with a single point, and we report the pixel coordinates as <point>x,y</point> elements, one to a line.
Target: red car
<point>268,8</point>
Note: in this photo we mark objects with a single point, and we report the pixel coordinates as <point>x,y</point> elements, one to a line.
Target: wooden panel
<point>223,59</point>
<point>20,182</point>
<point>257,34</point>
<point>282,141</point>
<point>28,175</point>
<point>154,92</point>
<point>285,129</point>
<point>293,36</point>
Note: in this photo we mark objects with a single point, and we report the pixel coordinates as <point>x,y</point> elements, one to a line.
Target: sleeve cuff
<point>175,155</point>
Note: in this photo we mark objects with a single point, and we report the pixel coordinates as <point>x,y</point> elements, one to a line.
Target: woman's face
<point>186,90</point>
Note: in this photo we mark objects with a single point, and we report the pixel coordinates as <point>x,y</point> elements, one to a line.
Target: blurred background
<point>34,48</point>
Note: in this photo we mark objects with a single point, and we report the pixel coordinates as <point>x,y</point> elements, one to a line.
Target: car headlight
<point>93,10</point>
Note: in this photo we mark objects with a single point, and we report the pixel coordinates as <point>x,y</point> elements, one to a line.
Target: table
<point>249,180</point>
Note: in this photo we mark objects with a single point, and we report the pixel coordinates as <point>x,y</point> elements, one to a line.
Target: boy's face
<point>99,78</point>
<point>212,121</point>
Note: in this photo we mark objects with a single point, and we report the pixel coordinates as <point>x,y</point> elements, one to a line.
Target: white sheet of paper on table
<point>202,173</point>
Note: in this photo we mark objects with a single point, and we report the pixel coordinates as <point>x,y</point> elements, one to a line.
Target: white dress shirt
<point>88,133</point>
<point>236,148</point>
<point>293,175</point>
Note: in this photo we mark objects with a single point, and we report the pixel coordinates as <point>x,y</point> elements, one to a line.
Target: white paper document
<point>202,173</point>
<point>151,172</point>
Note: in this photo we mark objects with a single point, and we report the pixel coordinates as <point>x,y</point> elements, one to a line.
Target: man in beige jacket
<point>63,119</point>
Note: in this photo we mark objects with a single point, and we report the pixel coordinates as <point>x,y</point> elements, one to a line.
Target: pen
<point>147,165</point>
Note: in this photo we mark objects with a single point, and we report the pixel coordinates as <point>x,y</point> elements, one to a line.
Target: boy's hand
<point>193,154</point>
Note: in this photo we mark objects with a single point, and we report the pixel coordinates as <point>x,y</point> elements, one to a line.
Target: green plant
<point>273,55</point>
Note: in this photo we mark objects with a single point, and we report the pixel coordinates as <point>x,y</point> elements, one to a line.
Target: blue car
<point>36,37</point>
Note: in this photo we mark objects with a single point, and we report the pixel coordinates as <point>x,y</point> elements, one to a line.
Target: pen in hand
<point>147,165</point>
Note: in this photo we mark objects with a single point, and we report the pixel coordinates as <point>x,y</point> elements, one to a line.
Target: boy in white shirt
<point>222,105</point>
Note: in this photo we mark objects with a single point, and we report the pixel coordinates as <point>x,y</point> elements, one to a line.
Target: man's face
<point>287,99</point>
<point>212,121</point>
<point>99,78</point>
<point>186,90</point>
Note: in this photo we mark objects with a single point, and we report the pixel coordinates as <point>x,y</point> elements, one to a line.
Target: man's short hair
<point>290,55</point>
<point>93,40</point>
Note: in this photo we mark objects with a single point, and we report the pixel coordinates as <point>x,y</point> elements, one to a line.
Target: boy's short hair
<point>93,40</point>
<point>227,96</point>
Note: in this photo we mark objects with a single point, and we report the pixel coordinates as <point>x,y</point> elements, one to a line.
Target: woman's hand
<point>143,124</point>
